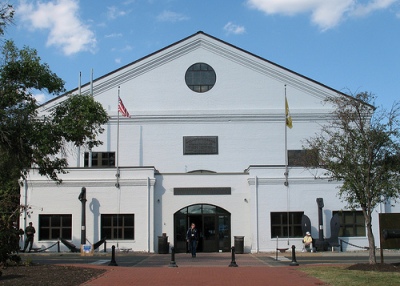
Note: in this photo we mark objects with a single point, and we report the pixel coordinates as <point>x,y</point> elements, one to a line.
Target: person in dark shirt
<point>192,238</point>
<point>30,233</point>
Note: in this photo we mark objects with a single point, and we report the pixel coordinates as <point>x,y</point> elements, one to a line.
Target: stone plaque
<point>200,145</point>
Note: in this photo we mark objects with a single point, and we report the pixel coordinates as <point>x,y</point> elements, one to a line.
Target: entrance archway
<point>213,224</point>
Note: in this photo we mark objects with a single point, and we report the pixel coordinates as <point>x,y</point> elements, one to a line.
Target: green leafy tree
<point>360,148</point>
<point>28,141</point>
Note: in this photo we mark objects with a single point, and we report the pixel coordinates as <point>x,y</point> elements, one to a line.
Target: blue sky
<point>349,45</point>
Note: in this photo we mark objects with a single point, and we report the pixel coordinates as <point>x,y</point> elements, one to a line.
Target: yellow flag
<point>288,117</point>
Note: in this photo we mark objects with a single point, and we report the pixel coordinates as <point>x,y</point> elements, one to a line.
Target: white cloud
<point>41,98</point>
<point>363,10</point>
<point>60,17</point>
<point>113,35</point>
<point>324,13</point>
<point>127,48</point>
<point>169,16</point>
<point>231,28</point>
<point>118,60</point>
<point>114,12</point>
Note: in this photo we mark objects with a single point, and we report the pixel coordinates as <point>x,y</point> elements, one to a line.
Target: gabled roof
<point>201,34</point>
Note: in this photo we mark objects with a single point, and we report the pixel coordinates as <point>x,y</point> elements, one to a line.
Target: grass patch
<point>340,276</point>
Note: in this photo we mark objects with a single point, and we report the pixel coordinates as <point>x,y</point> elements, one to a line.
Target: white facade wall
<point>245,110</point>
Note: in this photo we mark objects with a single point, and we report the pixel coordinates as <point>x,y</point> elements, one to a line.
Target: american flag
<point>122,109</point>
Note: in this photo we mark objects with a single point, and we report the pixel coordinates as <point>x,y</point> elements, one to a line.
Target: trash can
<point>239,244</point>
<point>163,245</point>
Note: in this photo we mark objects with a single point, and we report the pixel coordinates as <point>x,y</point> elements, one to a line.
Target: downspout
<point>148,215</point>
<point>257,221</point>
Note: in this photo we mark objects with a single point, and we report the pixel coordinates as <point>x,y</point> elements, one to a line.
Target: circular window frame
<point>200,77</point>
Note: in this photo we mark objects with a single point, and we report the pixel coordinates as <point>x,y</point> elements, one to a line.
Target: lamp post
<point>320,242</point>
<point>82,198</point>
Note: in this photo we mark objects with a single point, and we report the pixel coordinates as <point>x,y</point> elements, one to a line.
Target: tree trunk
<point>371,241</point>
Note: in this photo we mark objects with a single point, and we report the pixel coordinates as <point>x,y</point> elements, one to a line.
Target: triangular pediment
<point>246,84</point>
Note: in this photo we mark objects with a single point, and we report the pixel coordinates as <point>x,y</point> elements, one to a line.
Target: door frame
<point>195,214</point>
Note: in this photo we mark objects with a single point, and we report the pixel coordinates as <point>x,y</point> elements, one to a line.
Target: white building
<point>205,143</point>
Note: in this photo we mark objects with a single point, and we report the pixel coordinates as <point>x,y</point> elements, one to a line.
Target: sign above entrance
<point>200,145</point>
<point>202,191</point>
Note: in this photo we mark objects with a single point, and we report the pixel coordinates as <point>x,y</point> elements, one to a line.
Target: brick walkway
<point>206,269</point>
<point>204,276</point>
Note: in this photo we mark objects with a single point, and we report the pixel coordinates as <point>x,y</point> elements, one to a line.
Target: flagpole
<point>125,113</point>
<point>91,82</point>
<point>117,175</point>
<point>78,161</point>
<point>91,94</point>
<point>286,167</point>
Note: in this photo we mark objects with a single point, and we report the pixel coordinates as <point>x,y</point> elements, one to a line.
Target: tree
<point>6,15</point>
<point>30,141</point>
<point>360,148</point>
<point>27,141</point>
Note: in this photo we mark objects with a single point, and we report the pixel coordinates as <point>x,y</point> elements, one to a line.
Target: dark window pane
<point>44,221</point>
<point>298,231</point>
<point>67,233</point>
<point>44,234</point>
<point>116,233</point>
<point>119,226</point>
<point>128,233</point>
<point>55,232</point>
<point>275,218</point>
<point>352,223</point>
<point>55,221</point>
<point>128,221</point>
<point>106,232</point>
<point>100,159</point>
<point>106,220</point>
<point>67,221</point>
<point>52,227</point>
<point>280,226</point>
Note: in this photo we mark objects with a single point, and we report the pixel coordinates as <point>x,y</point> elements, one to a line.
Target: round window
<point>200,77</point>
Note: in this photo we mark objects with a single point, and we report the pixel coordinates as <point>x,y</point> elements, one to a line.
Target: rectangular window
<point>100,159</point>
<point>280,226</point>
<point>55,226</point>
<point>118,226</point>
<point>352,223</point>
<point>302,158</point>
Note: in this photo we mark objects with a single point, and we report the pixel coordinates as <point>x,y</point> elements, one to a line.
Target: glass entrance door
<point>212,223</point>
<point>210,241</point>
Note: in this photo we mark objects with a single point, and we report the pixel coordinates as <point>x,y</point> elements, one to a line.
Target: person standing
<point>30,233</point>
<point>192,238</point>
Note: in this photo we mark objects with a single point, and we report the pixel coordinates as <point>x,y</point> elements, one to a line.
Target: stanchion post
<point>172,263</point>
<point>105,246</point>
<point>58,246</point>
<point>113,262</point>
<point>233,262</point>
<point>294,262</point>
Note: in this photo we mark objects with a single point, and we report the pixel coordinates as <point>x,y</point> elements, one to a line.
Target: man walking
<point>30,233</point>
<point>192,238</point>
